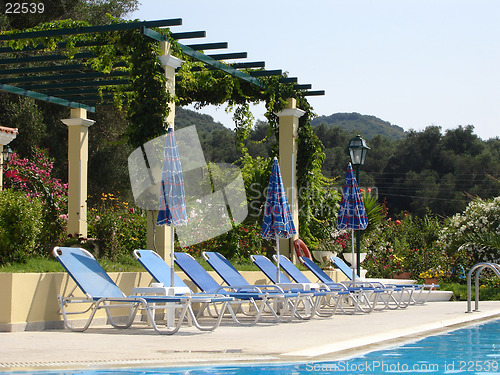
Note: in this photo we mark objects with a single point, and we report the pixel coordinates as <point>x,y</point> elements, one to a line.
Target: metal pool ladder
<point>479,267</point>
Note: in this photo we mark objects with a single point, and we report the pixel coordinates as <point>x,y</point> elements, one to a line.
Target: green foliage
<point>21,225</point>
<point>239,243</point>
<point>406,245</point>
<point>116,228</point>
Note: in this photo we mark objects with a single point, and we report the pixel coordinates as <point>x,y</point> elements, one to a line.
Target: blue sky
<point>413,63</point>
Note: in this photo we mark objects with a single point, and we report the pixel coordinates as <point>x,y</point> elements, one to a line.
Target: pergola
<point>58,79</point>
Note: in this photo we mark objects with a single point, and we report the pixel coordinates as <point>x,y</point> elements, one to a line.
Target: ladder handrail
<point>479,266</point>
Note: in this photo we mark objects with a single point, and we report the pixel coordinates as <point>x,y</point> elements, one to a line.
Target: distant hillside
<point>367,126</point>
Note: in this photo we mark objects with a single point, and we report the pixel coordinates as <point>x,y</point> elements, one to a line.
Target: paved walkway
<point>328,338</point>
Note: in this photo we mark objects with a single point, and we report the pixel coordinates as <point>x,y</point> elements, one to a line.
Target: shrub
<point>20,217</point>
<point>472,236</point>
<point>33,177</point>
<point>117,229</point>
<point>404,245</point>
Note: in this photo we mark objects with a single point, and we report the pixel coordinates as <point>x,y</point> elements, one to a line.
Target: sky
<point>413,63</point>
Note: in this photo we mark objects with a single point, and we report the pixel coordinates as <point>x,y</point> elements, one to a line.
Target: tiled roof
<point>4,129</point>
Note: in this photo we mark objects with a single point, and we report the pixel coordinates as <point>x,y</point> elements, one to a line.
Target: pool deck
<point>336,337</point>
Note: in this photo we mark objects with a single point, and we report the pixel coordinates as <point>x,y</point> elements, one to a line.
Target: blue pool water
<point>473,350</point>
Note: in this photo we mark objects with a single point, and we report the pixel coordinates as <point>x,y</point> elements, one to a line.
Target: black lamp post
<point>7,155</point>
<point>357,150</point>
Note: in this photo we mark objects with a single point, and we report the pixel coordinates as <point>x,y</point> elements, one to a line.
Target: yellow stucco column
<point>288,135</point>
<point>6,136</point>
<point>161,235</point>
<point>78,155</point>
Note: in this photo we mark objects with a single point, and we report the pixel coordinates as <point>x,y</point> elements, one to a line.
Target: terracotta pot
<point>432,280</point>
<point>402,275</point>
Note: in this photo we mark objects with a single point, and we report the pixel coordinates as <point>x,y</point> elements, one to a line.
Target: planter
<point>323,257</point>
<point>402,275</point>
<point>432,280</point>
<point>352,262</point>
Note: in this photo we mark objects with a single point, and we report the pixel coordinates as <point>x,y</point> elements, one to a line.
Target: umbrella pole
<point>352,265</point>
<point>278,260</point>
<point>172,272</point>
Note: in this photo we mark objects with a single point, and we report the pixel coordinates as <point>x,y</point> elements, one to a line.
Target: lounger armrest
<point>161,291</point>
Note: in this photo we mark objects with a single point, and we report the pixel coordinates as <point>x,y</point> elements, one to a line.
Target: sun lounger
<point>258,299</point>
<point>368,295</point>
<point>100,292</point>
<point>350,297</point>
<point>321,298</point>
<point>406,290</point>
<point>288,300</point>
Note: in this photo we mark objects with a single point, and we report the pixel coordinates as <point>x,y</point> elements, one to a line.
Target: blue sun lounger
<point>350,295</point>
<point>410,289</point>
<point>257,299</point>
<point>369,295</point>
<point>102,293</point>
<point>231,276</point>
<point>320,298</point>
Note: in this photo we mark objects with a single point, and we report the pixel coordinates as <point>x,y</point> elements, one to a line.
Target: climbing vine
<point>147,101</point>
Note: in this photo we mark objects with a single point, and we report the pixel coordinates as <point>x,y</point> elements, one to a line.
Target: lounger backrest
<point>87,273</point>
<point>292,270</point>
<point>318,272</point>
<point>157,268</point>
<point>269,269</point>
<point>198,275</point>
<point>224,269</point>
<point>341,265</point>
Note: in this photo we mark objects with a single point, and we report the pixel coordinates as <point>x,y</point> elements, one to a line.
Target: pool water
<point>473,350</point>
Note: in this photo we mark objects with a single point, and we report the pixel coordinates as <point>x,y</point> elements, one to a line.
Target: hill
<point>367,126</point>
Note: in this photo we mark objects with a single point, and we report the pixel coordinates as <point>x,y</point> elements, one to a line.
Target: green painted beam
<point>59,45</point>
<point>314,93</point>
<point>228,56</point>
<point>306,86</point>
<point>44,58</point>
<point>64,77</point>
<point>266,73</point>
<point>55,68</point>
<point>92,29</point>
<point>289,80</point>
<point>248,65</point>
<point>189,35</point>
<point>205,46</point>
<point>108,82</point>
<point>206,59</point>
<point>45,98</point>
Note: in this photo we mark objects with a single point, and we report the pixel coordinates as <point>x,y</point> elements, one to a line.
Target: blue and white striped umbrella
<point>172,204</point>
<point>277,222</point>
<point>352,213</point>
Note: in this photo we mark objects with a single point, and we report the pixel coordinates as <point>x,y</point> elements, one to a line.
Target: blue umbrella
<point>352,213</point>
<point>277,222</point>
<point>172,204</point>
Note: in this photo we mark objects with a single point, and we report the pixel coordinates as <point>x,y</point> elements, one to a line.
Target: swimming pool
<point>472,350</point>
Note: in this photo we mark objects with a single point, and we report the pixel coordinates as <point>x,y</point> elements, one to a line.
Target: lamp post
<point>6,156</point>
<point>357,150</point>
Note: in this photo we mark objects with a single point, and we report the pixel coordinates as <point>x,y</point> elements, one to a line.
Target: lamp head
<point>358,149</point>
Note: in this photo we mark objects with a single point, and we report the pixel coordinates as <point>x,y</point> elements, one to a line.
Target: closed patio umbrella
<point>352,213</point>
<point>277,222</point>
<point>172,202</point>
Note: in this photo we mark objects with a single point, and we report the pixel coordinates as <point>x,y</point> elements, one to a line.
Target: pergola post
<point>78,155</point>
<point>288,135</point>
<point>6,136</point>
<point>161,235</point>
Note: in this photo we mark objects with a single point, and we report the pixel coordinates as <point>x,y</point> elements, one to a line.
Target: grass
<point>488,291</point>
<point>42,264</point>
